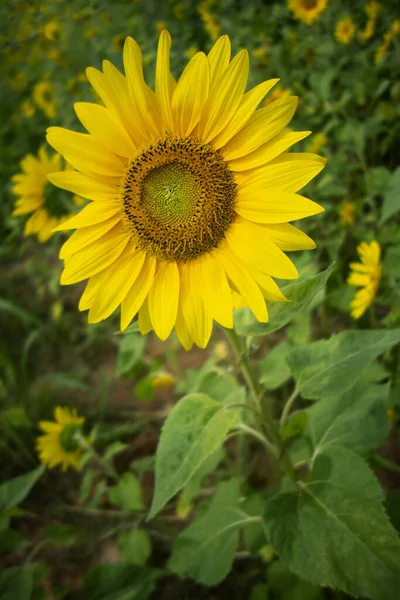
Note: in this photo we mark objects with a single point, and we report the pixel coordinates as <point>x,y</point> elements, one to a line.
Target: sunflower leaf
<point>13,491</point>
<point>194,429</point>
<point>333,530</point>
<point>331,367</point>
<point>304,296</point>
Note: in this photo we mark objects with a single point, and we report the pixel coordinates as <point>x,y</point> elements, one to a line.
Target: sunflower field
<point>200,300</point>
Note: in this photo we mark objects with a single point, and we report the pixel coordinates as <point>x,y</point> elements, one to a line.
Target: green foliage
<point>127,493</point>
<point>135,546</point>
<point>122,581</point>
<point>391,199</point>
<point>16,583</point>
<point>302,296</point>
<point>130,351</point>
<point>195,428</point>
<point>330,367</point>
<point>333,531</point>
<point>274,369</point>
<point>15,490</point>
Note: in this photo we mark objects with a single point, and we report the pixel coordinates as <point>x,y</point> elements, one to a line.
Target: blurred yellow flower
<point>262,54</point>
<point>345,30</point>
<point>53,31</point>
<point>191,51</point>
<point>372,10</point>
<point>307,11</point>
<point>38,196</point>
<point>60,444</point>
<point>210,24</point>
<point>163,380</point>
<point>387,40</point>
<point>160,26</point>
<point>367,275</point>
<point>317,142</point>
<point>221,350</point>
<point>44,96</point>
<point>277,93</point>
<point>27,108</point>
<point>346,213</point>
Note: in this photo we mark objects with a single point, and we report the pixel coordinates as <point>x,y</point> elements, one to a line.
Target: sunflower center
<point>69,437</point>
<point>309,4</point>
<point>177,199</point>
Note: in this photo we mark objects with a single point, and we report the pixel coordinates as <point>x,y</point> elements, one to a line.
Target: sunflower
<point>307,11</point>
<point>317,142</point>
<point>346,213</point>
<point>37,196</point>
<point>60,443</point>
<point>44,96</point>
<point>192,190</point>
<point>345,30</point>
<point>367,275</point>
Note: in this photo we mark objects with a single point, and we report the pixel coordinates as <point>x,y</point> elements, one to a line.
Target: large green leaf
<point>205,550</point>
<point>121,581</point>
<point>303,296</point>
<point>334,531</point>
<point>16,583</point>
<point>194,429</point>
<point>331,367</point>
<point>356,419</point>
<point>274,369</point>
<point>391,199</point>
<point>13,491</point>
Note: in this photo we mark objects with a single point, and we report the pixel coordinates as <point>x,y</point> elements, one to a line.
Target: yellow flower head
<point>44,96</point>
<point>372,10</point>
<point>53,31</point>
<point>346,213</point>
<point>317,142</point>
<point>163,380</point>
<point>367,275</point>
<point>307,11</point>
<point>27,109</point>
<point>60,443</point>
<point>192,192</point>
<point>345,30</point>
<point>37,196</point>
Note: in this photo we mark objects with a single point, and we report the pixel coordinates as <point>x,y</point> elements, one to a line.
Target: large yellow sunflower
<point>307,11</point>
<point>36,195</point>
<point>192,190</point>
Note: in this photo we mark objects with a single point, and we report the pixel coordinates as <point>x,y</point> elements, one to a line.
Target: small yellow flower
<point>163,380</point>
<point>372,10</point>
<point>345,30</point>
<point>277,94</point>
<point>221,351</point>
<point>53,31</point>
<point>210,24</point>
<point>387,40</point>
<point>27,109</point>
<point>346,213</point>
<point>307,11</point>
<point>317,142</point>
<point>262,54</point>
<point>44,96</point>
<point>367,275</point>
<point>60,443</point>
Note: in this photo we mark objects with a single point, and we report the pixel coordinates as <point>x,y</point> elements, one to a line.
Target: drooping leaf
<point>331,367</point>
<point>205,550</point>
<point>333,530</point>
<point>303,296</point>
<point>194,429</point>
<point>12,492</point>
<point>121,581</point>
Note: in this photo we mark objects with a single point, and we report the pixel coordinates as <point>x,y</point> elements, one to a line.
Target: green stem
<point>287,407</point>
<point>260,437</point>
<point>257,393</point>
<point>385,463</point>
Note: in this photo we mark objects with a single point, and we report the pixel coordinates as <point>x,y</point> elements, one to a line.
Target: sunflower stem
<point>273,438</point>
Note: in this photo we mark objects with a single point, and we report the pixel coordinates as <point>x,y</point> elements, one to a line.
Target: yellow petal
<point>214,288</point>
<point>85,236</point>
<point>269,288</point>
<point>114,283</point>
<point>84,186</point>
<point>83,153</point>
<point>182,331</point>
<point>27,205</point>
<point>254,246</point>
<point>225,98</point>
<point>248,105</point>
<point>274,206</point>
<point>164,82</point>
<point>105,128</point>
<point>196,317</point>
<point>287,237</point>
<point>358,279</point>
<point>268,151</point>
<point>263,126</point>
<point>96,257</point>
<point>242,282</point>
<point>93,213</point>
<point>138,292</point>
<point>290,171</point>
<point>164,298</point>
<point>218,58</point>
<point>144,321</point>
<point>190,94</point>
